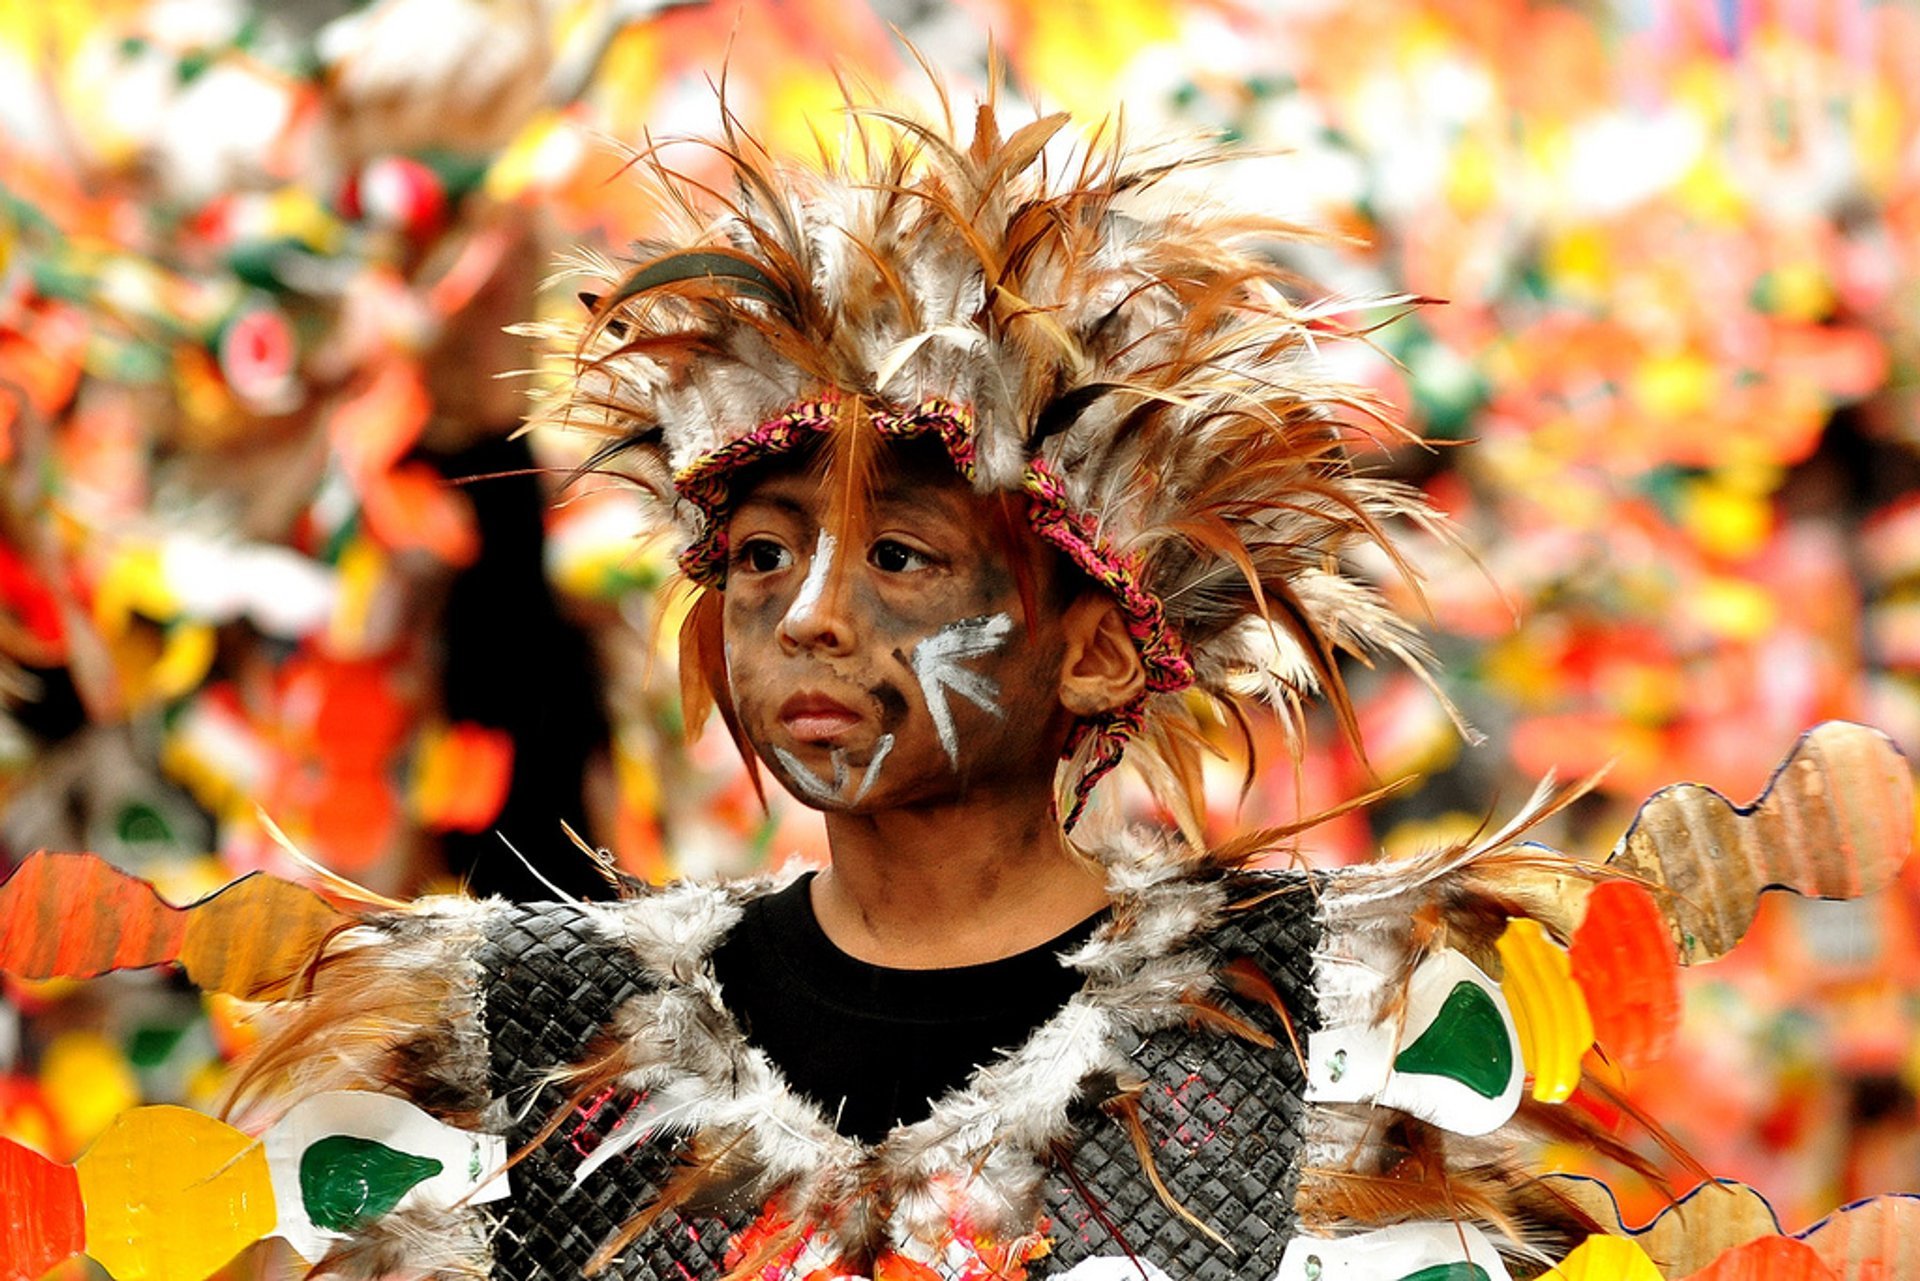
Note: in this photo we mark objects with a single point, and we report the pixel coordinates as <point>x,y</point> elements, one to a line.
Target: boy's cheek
<point>750,617</point>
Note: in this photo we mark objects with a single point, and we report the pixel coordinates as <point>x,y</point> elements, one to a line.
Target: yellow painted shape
<point>170,1195</point>
<point>1549,1010</point>
<point>1601,1258</point>
<point>292,212</point>
<point>134,582</point>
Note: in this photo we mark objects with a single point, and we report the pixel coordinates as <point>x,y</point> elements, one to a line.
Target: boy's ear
<point>1101,670</point>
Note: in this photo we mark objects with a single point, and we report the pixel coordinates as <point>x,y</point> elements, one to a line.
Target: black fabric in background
<point>513,662</point>
<point>875,1046</point>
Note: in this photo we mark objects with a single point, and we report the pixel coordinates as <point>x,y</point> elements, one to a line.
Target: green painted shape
<point>1467,1043</point>
<point>347,1181</point>
<point>1450,1272</point>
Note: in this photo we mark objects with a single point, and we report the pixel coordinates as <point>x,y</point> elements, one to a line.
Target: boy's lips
<point>815,718</point>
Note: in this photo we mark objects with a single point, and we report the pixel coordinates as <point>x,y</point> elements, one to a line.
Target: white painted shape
<point>1115,1267</point>
<point>1366,1073</point>
<point>1440,1100</point>
<point>808,598</point>
<point>936,663</point>
<point>834,791</point>
<point>880,750</point>
<point>1388,1254</point>
<point>1348,1064</point>
<point>805,779</point>
<point>473,1166</point>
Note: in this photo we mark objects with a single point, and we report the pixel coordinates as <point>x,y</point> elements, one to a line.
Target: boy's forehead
<point>904,478</point>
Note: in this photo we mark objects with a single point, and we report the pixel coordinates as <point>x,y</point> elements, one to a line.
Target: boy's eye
<point>890,557</point>
<point>762,556</point>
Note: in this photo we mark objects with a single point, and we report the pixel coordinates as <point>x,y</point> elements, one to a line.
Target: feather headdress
<point>1137,369</point>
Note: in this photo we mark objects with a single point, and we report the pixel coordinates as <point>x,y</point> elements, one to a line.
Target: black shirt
<point>873,1046</point>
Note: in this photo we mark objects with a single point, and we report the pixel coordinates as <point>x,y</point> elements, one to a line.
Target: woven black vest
<point>1225,1118</point>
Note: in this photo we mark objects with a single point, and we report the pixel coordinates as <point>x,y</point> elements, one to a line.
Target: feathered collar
<point>975,1165</point>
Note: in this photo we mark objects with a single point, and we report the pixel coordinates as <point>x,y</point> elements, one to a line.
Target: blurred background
<point>269,544</point>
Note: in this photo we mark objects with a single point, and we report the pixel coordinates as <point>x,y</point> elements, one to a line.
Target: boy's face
<point>898,671</point>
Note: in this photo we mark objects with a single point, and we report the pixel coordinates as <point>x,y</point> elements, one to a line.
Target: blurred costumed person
<point>993,470</point>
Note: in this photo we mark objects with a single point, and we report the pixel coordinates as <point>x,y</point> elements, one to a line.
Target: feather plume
<point>852,470</point>
<point>1155,355</point>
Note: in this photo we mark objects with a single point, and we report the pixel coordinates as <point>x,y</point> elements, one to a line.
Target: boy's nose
<point>818,617</point>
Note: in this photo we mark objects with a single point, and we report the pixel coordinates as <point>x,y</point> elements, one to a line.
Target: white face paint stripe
<point>880,750</point>
<point>936,662</point>
<point>805,779</point>
<point>829,793</point>
<point>816,580</point>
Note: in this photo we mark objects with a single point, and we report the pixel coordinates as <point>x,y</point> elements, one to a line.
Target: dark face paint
<point>897,671</point>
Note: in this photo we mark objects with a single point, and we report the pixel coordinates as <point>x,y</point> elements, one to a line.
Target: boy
<point>989,476</point>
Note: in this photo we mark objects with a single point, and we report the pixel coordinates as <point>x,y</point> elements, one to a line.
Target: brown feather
<point>1593,1084</point>
<point>1566,1124</point>
<point>754,1264</point>
<point>1244,978</point>
<point>1062,1157</point>
<point>699,1172</point>
<point>703,681</point>
<point>1206,1012</point>
<point>852,460</point>
<point>1125,1106</point>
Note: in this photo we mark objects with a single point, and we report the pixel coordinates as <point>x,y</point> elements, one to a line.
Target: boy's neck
<point>956,884</point>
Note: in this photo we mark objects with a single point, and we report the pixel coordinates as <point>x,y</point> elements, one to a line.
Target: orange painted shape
<point>1877,1240</point>
<point>1768,1259</point>
<point>171,1195</point>
<point>77,916</point>
<point>257,937</point>
<point>41,1220</point>
<point>898,1267</point>
<point>1624,961</point>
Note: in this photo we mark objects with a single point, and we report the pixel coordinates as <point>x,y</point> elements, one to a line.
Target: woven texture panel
<point>552,983</point>
<point>1225,1118</point>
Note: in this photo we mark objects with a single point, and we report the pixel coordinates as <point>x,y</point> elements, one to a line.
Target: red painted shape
<point>1767,1259</point>
<point>41,1220</point>
<point>76,916</point>
<point>1624,961</point>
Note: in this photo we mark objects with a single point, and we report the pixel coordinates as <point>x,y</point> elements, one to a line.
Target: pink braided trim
<point>1168,667</point>
<point>706,483</point>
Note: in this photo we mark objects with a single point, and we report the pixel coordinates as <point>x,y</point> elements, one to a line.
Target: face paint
<point>937,663</point>
<point>880,750</point>
<point>861,714</point>
<point>815,582</point>
<point>809,782</point>
<point>835,792</point>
